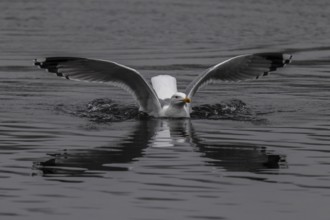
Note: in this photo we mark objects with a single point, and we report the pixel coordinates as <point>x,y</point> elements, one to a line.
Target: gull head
<point>179,99</point>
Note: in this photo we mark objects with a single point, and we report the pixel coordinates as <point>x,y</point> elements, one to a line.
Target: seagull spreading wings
<point>162,98</point>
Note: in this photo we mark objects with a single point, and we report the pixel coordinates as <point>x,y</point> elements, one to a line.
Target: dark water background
<point>272,164</point>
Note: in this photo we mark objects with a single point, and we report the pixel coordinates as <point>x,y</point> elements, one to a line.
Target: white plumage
<point>163,99</point>
<point>164,86</point>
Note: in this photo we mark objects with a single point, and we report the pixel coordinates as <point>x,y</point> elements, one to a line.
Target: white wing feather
<point>83,69</point>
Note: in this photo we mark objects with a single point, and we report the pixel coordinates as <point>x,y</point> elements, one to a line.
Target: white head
<point>179,99</point>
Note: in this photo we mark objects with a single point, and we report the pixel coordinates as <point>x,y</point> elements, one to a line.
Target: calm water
<point>274,164</point>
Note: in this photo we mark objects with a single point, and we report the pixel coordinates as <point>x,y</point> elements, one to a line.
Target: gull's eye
<point>176,97</point>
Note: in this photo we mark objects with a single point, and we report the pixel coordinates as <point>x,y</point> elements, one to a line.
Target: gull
<point>161,98</point>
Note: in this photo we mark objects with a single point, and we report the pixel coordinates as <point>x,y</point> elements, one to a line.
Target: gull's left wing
<point>83,69</point>
<point>240,68</point>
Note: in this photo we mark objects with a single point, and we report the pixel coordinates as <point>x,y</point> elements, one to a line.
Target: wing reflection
<point>159,133</point>
<point>115,157</point>
<point>242,157</point>
<point>232,157</point>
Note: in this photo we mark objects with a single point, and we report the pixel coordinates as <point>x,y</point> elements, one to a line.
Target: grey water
<point>62,157</point>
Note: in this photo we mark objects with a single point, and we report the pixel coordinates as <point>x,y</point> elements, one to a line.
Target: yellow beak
<point>187,100</point>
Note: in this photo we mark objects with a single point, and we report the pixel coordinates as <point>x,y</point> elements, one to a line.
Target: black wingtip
<point>50,63</point>
<point>277,60</point>
<point>36,62</point>
<point>287,58</point>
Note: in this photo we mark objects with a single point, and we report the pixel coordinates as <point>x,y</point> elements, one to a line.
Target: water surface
<point>271,161</point>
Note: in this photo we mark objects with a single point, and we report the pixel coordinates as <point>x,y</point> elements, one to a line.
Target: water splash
<point>104,110</point>
<point>233,109</point>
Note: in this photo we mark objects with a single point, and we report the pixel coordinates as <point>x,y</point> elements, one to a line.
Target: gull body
<point>162,98</point>
<point>177,107</point>
<point>174,104</point>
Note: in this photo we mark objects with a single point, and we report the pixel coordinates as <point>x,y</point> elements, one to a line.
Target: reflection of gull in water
<point>156,134</point>
<point>172,132</point>
<point>163,99</point>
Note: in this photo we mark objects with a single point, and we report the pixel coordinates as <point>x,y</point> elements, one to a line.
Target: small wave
<point>106,110</point>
